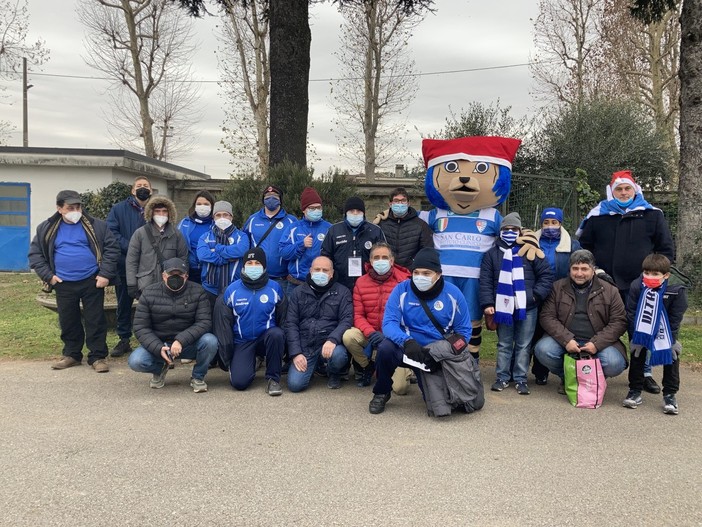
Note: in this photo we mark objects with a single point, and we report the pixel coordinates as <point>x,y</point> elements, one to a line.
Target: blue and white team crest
<point>264,299</point>
<point>320,236</point>
<point>442,224</point>
<point>438,305</point>
<point>481,224</point>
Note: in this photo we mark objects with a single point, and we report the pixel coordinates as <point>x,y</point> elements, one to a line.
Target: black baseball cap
<point>69,197</point>
<point>175,264</point>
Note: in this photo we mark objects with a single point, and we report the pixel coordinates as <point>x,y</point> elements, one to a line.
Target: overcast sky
<point>461,35</point>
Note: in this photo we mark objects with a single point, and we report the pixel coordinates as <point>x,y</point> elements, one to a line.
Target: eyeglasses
<point>399,202</point>
<point>314,208</point>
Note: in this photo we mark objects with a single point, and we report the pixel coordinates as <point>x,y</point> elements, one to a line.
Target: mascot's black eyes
<point>451,166</point>
<point>481,167</point>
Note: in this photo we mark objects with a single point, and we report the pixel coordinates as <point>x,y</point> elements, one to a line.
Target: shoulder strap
<point>265,235</point>
<point>159,254</point>
<point>431,316</point>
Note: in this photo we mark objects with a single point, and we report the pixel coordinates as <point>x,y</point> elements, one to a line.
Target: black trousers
<point>671,374</point>
<point>68,298</point>
<point>124,308</point>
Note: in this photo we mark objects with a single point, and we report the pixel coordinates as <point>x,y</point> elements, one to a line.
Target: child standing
<point>655,310</point>
<point>511,289</point>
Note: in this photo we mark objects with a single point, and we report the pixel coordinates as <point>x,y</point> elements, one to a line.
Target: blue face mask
<point>319,278</point>
<point>625,203</point>
<point>271,203</point>
<point>423,283</point>
<point>551,233</point>
<point>509,237</point>
<point>381,266</point>
<point>314,215</point>
<point>400,209</point>
<point>253,271</point>
<point>354,219</point>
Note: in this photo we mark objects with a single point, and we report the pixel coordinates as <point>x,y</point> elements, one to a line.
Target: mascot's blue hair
<point>500,188</point>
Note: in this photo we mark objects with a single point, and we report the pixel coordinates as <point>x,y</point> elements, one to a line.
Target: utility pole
<point>25,88</point>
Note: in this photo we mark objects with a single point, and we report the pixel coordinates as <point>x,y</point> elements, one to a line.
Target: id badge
<point>355,267</point>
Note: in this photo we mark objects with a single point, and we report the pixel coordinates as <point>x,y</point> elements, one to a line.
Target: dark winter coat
<point>163,315</point>
<point>620,243</point>
<point>605,310</point>
<point>538,278</point>
<point>406,235</point>
<point>102,243</point>
<point>674,302</point>
<point>123,220</point>
<point>312,320</point>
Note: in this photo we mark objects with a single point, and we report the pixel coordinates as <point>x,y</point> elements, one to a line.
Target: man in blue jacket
<point>123,220</point>
<point>408,330</point>
<point>265,229</point>
<point>248,320</point>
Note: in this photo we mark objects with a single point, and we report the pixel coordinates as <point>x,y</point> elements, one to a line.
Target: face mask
<point>354,219</point>
<point>253,271</point>
<point>160,220</point>
<point>271,203</point>
<point>175,282</point>
<point>319,278</point>
<point>314,215</point>
<point>399,209</point>
<point>423,283</point>
<point>509,237</point>
<point>625,203</point>
<point>203,210</point>
<point>551,233</point>
<point>73,216</point>
<point>381,266</point>
<point>142,193</point>
<point>223,223</point>
<point>652,282</point>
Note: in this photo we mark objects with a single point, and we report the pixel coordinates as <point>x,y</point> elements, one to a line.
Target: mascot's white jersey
<point>462,239</point>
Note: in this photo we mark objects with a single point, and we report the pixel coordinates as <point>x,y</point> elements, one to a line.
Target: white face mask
<point>160,220</point>
<point>73,216</point>
<point>203,210</point>
<point>223,223</point>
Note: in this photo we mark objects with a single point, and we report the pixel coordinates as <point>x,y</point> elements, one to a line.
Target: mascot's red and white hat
<point>621,178</point>
<point>492,149</point>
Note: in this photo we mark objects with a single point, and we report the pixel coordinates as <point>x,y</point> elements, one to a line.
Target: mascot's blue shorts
<point>470,288</point>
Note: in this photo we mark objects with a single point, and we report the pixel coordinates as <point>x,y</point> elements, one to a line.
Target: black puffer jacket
<point>406,235</point>
<point>620,243</point>
<point>164,316</point>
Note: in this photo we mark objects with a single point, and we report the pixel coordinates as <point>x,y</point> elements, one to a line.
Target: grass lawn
<point>30,331</point>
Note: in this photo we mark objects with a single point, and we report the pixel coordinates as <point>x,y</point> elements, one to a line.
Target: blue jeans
<point>300,380</point>
<point>550,353</point>
<point>202,352</point>
<point>242,369</point>
<point>515,341</point>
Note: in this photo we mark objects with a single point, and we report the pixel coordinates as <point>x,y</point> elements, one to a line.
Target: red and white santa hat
<point>492,149</point>
<point>623,177</point>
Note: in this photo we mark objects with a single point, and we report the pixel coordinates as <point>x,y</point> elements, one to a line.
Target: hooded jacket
<point>406,235</point>
<point>561,250</point>
<point>142,265</point>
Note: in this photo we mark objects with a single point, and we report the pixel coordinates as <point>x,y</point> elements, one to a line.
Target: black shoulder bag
<point>457,341</point>
<point>159,254</point>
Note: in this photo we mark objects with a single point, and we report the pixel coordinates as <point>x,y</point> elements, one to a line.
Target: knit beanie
<point>272,188</point>
<point>354,202</point>
<point>552,213</point>
<point>222,206</point>
<point>308,197</point>
<point>255,254</point>
<point>427,258</point>
<point>511,220</point>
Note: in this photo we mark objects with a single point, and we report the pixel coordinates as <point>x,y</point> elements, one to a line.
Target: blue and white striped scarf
<point>651,326</point>
<point>510,302</point>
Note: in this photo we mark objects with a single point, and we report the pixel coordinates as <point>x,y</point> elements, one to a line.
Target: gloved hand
<point>677,350</point>
<point>635,349</point>
<point>530,245</point>
<point>600,273</point>
<point>414,351</point>
<point>375,338</point>
<point>430,363</point>
<point>133,291</point>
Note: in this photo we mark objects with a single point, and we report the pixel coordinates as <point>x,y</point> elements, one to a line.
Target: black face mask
<point>142,193</point>
<point>175,282</point>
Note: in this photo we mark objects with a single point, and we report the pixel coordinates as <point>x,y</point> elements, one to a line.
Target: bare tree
<point>146,47</point>
<point>243,62</point>
<point>377,82</point>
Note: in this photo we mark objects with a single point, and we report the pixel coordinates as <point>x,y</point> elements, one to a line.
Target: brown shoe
<point>65,362</point>
<point>101,366</point>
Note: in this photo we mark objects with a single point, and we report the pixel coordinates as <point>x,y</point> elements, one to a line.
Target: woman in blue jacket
<point>193,226</point>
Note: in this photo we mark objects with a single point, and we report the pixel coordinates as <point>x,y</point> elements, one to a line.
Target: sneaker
<point>334,382</point>
<point>633,399</point>
<point>198,385</point>
<point>366,375</point>
<point>499,386</point>
<point>377,404</point>
<point>158,380</point>
<point>65,362</point>
<point>651,386</point>
<point>522,388</point>
<point>186,361</point>
<point>101,366</point>
<point>273,388</point>
<point>122,348</point>
<point>541,381</point>
<point>670,404</point>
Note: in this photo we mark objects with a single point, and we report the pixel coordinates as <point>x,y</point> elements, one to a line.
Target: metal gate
<point>14,226</point>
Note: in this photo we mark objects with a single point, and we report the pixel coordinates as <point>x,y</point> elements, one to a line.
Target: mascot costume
<point>465,179</point>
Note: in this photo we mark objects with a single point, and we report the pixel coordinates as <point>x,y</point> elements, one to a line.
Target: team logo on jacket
<point>481,224</point>
<point>438,305</point>
<point>368,244</point>
<point>279,225</point>
<point>442,224</point>
<point>320,236</point>
<point>264,299</point>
